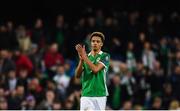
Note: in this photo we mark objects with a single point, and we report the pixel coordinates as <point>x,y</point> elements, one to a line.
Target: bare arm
<point>83,56</point>
<point>79,69</point>
<point>94,67</point>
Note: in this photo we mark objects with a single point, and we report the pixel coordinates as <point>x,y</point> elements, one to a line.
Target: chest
<point>94,59</point>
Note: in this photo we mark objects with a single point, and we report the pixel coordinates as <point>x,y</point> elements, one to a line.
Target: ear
<point>101,44</point>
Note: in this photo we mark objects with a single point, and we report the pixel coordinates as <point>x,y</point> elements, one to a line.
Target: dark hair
<point>99,34</point>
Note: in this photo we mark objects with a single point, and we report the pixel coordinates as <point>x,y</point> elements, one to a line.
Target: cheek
<point>91,43</point>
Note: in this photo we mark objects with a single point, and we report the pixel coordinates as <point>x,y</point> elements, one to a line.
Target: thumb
<point>84,47</point>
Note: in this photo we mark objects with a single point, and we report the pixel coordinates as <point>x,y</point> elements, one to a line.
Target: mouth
<point>94,46</point>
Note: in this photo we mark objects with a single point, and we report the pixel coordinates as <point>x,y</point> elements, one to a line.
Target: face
<point>20,90</point>
<point>12,74</point>
<point>50,95</point>
<point>147,45</point>
<point>96,43</point>
<point>54,47</point>
<point>116,80</point>
<point>10,24</point>
<point>130,45</point>
<point>142,37</point>
<point>60,21</point>
<point>39,23</point>
<point>31,102</point>
<point>1,92</point>
<point>4,53</point>
<point>23,73</point>
<point>127,105</point>
<point>3,105</point>
<point>57,106</point>
<point>157,102</point>
<point>61,70</point>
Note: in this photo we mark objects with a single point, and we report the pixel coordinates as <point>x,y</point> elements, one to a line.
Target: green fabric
<point>164,50</point>
<point>131,57</point>
<point>94,85</point>
<point>116,97</point>
<point>60,38</point>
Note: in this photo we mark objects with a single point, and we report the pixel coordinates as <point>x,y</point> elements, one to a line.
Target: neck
<point>94,52</point>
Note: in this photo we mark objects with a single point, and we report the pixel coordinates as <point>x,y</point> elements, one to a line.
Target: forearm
<point>92,66</point>
<point>79,69</point>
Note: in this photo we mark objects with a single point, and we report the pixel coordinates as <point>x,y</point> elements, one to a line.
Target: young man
<point>92,69</point>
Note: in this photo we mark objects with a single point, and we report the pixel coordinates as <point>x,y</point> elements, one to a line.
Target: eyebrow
<point>96,40</point>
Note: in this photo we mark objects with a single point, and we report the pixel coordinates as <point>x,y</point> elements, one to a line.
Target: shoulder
<point>105,54</point>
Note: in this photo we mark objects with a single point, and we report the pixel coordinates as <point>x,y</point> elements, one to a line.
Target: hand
<point>83,54</point>
<point>80,56</point>
<point>81,51</point>
<point>78,48</point>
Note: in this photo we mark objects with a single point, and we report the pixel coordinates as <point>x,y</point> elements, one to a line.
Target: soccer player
<point>92,69</point>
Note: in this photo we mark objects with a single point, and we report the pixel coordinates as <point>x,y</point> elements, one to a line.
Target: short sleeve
<point>105,60</point>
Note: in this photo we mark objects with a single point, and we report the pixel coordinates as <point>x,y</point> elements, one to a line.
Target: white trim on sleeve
<point>103,64</point>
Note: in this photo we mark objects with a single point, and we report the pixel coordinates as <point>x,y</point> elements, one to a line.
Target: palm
<point>81,51</point>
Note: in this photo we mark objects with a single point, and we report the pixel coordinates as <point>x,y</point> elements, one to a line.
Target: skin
<point>96,45</point>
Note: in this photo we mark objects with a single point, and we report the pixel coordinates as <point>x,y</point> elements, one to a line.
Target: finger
<point>83,47</point>
<point>78,47</point>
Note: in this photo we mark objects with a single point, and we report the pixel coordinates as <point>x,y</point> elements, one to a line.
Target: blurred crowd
<point>37,63</point>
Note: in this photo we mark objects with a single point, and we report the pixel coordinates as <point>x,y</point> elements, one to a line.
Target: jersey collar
<point>98,53</point>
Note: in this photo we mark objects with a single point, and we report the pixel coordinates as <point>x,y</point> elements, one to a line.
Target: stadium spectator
<point>62,81</point>
<point>38,34</point>
<point>3,104</point>
<point>47,103</point>
<point>6,63</point>
<point>144,68</point>
<point>22,61</point>
<point>23,38</point>
<point>51,58</point>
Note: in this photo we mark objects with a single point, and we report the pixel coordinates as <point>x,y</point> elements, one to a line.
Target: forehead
<point>96,38</point>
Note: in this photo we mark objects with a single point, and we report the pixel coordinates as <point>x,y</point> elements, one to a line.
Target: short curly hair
<point>99,34</point>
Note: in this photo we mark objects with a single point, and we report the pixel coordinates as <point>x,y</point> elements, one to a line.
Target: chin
<point>95,49</point>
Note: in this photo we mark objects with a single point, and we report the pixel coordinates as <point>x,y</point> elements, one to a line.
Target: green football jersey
<point>94,85</point>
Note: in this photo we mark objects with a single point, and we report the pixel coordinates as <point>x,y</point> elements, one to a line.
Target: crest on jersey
<point>97,60</point>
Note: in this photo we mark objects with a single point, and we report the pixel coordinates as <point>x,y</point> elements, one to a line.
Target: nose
<point>95,42</point>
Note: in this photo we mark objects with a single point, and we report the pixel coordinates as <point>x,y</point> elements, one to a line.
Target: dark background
<point>24,11</point>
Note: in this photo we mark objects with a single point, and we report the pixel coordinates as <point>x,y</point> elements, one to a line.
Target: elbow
<point>77,74</point>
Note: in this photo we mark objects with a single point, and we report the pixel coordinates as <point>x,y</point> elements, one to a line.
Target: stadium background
<point>34,76</point>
